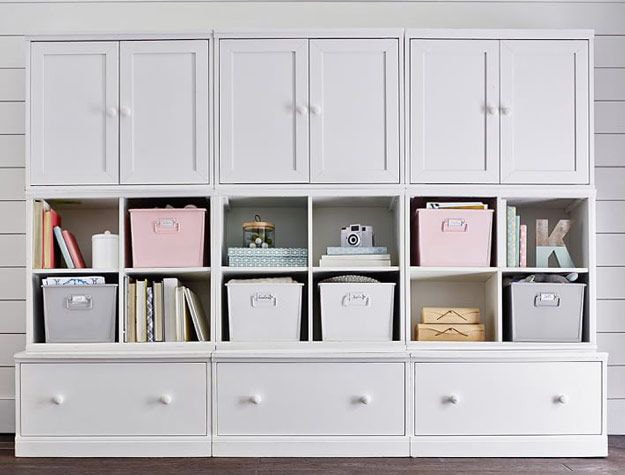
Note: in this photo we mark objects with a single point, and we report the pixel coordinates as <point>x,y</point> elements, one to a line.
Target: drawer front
<point>310,398</point>
<point>114,399</point>
<point>520,398</point>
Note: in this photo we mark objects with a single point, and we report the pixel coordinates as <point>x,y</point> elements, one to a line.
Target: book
<point>169,308</point>
<point>456,205</point>
<point>159,321</point>
<point>38,209</point>
<point>131,315</point>
<point>184,326</point>
<point>517,232</point>
<point>74,249</point>
<point>141,322</point>
<point>343,250</point>
<point>50,219</point>
<point>149,313</point>
<point>523,246</point>
<point>200,322</point>
<point>58,236</point>
<point>510,235</point>
<point>366,260</point>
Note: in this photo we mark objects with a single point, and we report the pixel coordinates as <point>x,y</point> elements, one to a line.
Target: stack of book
<point>46,230</point>
<point>163,311</point>
<point>267,257</point>
<point>516,238</point>
<point>356,257</point>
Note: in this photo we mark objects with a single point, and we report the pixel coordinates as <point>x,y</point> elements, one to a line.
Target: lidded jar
<point>258,233</point>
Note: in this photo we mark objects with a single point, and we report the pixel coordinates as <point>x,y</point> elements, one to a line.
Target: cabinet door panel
<point>453,125</point>
<point>74,123</point>
<point>354,111</point>
<point>263,126</point>
<point>164,112</point>
<point>544,111</point>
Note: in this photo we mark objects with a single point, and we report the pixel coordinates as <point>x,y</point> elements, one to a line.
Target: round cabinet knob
<point>112,111</point>
<point>505,110</point>
<point>490,110</point>
<point>256,399</point>
<point>364,399</point>
<point>166,399</point>
<point>301,110</point>
<point>562,399</point>
<point>125,111</point>
<point>58,399</point>
<point>315,110</point>
<point>453,399</point>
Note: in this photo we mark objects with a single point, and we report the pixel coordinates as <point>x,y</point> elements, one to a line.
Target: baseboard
<point>112,447</point>
<point>319,446</point>
<point>510,446</point>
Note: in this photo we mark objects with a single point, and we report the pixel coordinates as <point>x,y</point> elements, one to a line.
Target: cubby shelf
<point>350,270</point>
<point>166,270</point>
<point>262,270</point>
<point>85,271</point>
<point>545,270</point>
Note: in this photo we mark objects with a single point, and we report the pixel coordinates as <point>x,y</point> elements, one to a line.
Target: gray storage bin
<point>544,312</point>
<point>79,313</point>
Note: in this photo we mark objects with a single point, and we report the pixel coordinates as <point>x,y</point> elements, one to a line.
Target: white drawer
<point>121,399</point>
<point>310,398</point>
<point>524,398</point>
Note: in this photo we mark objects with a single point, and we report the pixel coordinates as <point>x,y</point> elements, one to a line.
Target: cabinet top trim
<point>499,34</point>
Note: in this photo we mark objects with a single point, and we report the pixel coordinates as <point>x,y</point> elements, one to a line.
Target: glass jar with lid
<point>258,233</point>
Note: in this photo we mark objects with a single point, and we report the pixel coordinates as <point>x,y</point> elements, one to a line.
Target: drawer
<point>310,398</point>
<point>520,398</point>
<point>120,399</point>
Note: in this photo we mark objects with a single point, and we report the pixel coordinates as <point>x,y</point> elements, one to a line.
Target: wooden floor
<point>9,465</point>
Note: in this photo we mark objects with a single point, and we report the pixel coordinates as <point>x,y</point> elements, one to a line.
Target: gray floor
<point>9,465</point>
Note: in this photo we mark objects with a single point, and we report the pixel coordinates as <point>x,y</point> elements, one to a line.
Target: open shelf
<point>262,270</point>
<point>65,271</point>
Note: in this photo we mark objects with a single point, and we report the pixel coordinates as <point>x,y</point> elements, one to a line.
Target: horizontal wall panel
<point>12,284</point>
<point>12,52</point>
<point>610,150</point>
<point>12,250</point>
<point>13,215</point>
<point>9,345</point>
<point>611,216</point>
<point>616,382</point>
<point>610,184</point>
<point>12,316</point>
<point>610,117</point>
<point>12,118</point>
<point>12,183</point>
<point>610,51</point>
<point>7,382</point>
<point>7,416</point>
<point>614,345</point>
<point>616,416</point>
<point>611,316</point>
<point>610,250</point>
<point>12,150</point>
<point>611,282</point>
<point>12,84</point>
<point>610,84</point>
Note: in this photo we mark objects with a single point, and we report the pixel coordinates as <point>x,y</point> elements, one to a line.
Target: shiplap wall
<point>608,20</point>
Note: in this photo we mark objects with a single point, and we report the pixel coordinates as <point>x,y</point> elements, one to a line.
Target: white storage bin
<point>264,312</point>
<point>544,312</point>
<point>357,311</point>
<point>79,313</point>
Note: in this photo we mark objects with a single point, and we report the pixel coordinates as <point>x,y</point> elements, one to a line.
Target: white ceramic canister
<point>105,250</point>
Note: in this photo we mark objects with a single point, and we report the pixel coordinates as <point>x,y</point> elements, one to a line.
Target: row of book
<point>46,232</point>
<point>163,311</point>
<point>516,239</point>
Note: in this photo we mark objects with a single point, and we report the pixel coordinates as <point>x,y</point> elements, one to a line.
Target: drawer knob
<point>364,399</point>
<point>490,110</point>
<point>256,399</point>
<point>562,399</point>
<point>505,110</point>
<point>301,110</point>
<point>58,399</point>
<point>112,112</point>
<point>452,399</point>
<point>125,111</point>
<point>166,399</point>
<point>316,110</point>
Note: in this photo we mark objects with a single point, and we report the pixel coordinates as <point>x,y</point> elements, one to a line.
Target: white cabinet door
<point>74,123</point>
<point>164,112</point>
<point>544,111</point>
<point>354,111</point>
<point>452,121</point>
<point>263,114</point>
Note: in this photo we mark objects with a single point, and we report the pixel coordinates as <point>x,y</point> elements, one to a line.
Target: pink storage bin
<point>167,237</point>
<point>454,237</point>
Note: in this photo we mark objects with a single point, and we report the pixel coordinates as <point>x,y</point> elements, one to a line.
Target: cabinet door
<point>544,111</point>
<point>73,106</point>
<point>453,124</point>
<point>354,111</point>
<point>263,114</point>
<point>164,112</point>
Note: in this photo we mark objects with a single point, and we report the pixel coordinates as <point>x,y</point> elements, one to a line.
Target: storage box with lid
<point>544,312</point>
<point>79,313</point>
<point>167,237</point>
<point>453,237</point>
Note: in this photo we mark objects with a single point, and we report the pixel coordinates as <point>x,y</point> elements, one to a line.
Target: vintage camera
<point>357,235</point>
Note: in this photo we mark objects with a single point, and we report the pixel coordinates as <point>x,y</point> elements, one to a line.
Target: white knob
<point>453,399</point>
<point>562,399</point>
<point>490,110</point>
<point>112,111</point>
<point>58,399</point>
<point>365,399</point>
<point>505,110</point>
<point>301,110</point>
<point>315,110</point>
<point>166,399</point>
<point>256,399</point>
<point>125,111</point>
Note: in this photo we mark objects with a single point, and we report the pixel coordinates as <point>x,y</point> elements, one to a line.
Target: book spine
<point>149,312</point>
<point>74,250</point>
<point>510,235</point>
<point>58,235</point>
<point>523,246</point>
<point>517,236</point>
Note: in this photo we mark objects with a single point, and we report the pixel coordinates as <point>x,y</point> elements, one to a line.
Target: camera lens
<point>353,239</point>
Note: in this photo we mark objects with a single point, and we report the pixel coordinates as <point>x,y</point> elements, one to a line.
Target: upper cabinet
<point>454,95</point>
<point>74,123</point>
<point>131,112</point>
<point>544,111</point>
<point>299,110</point>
